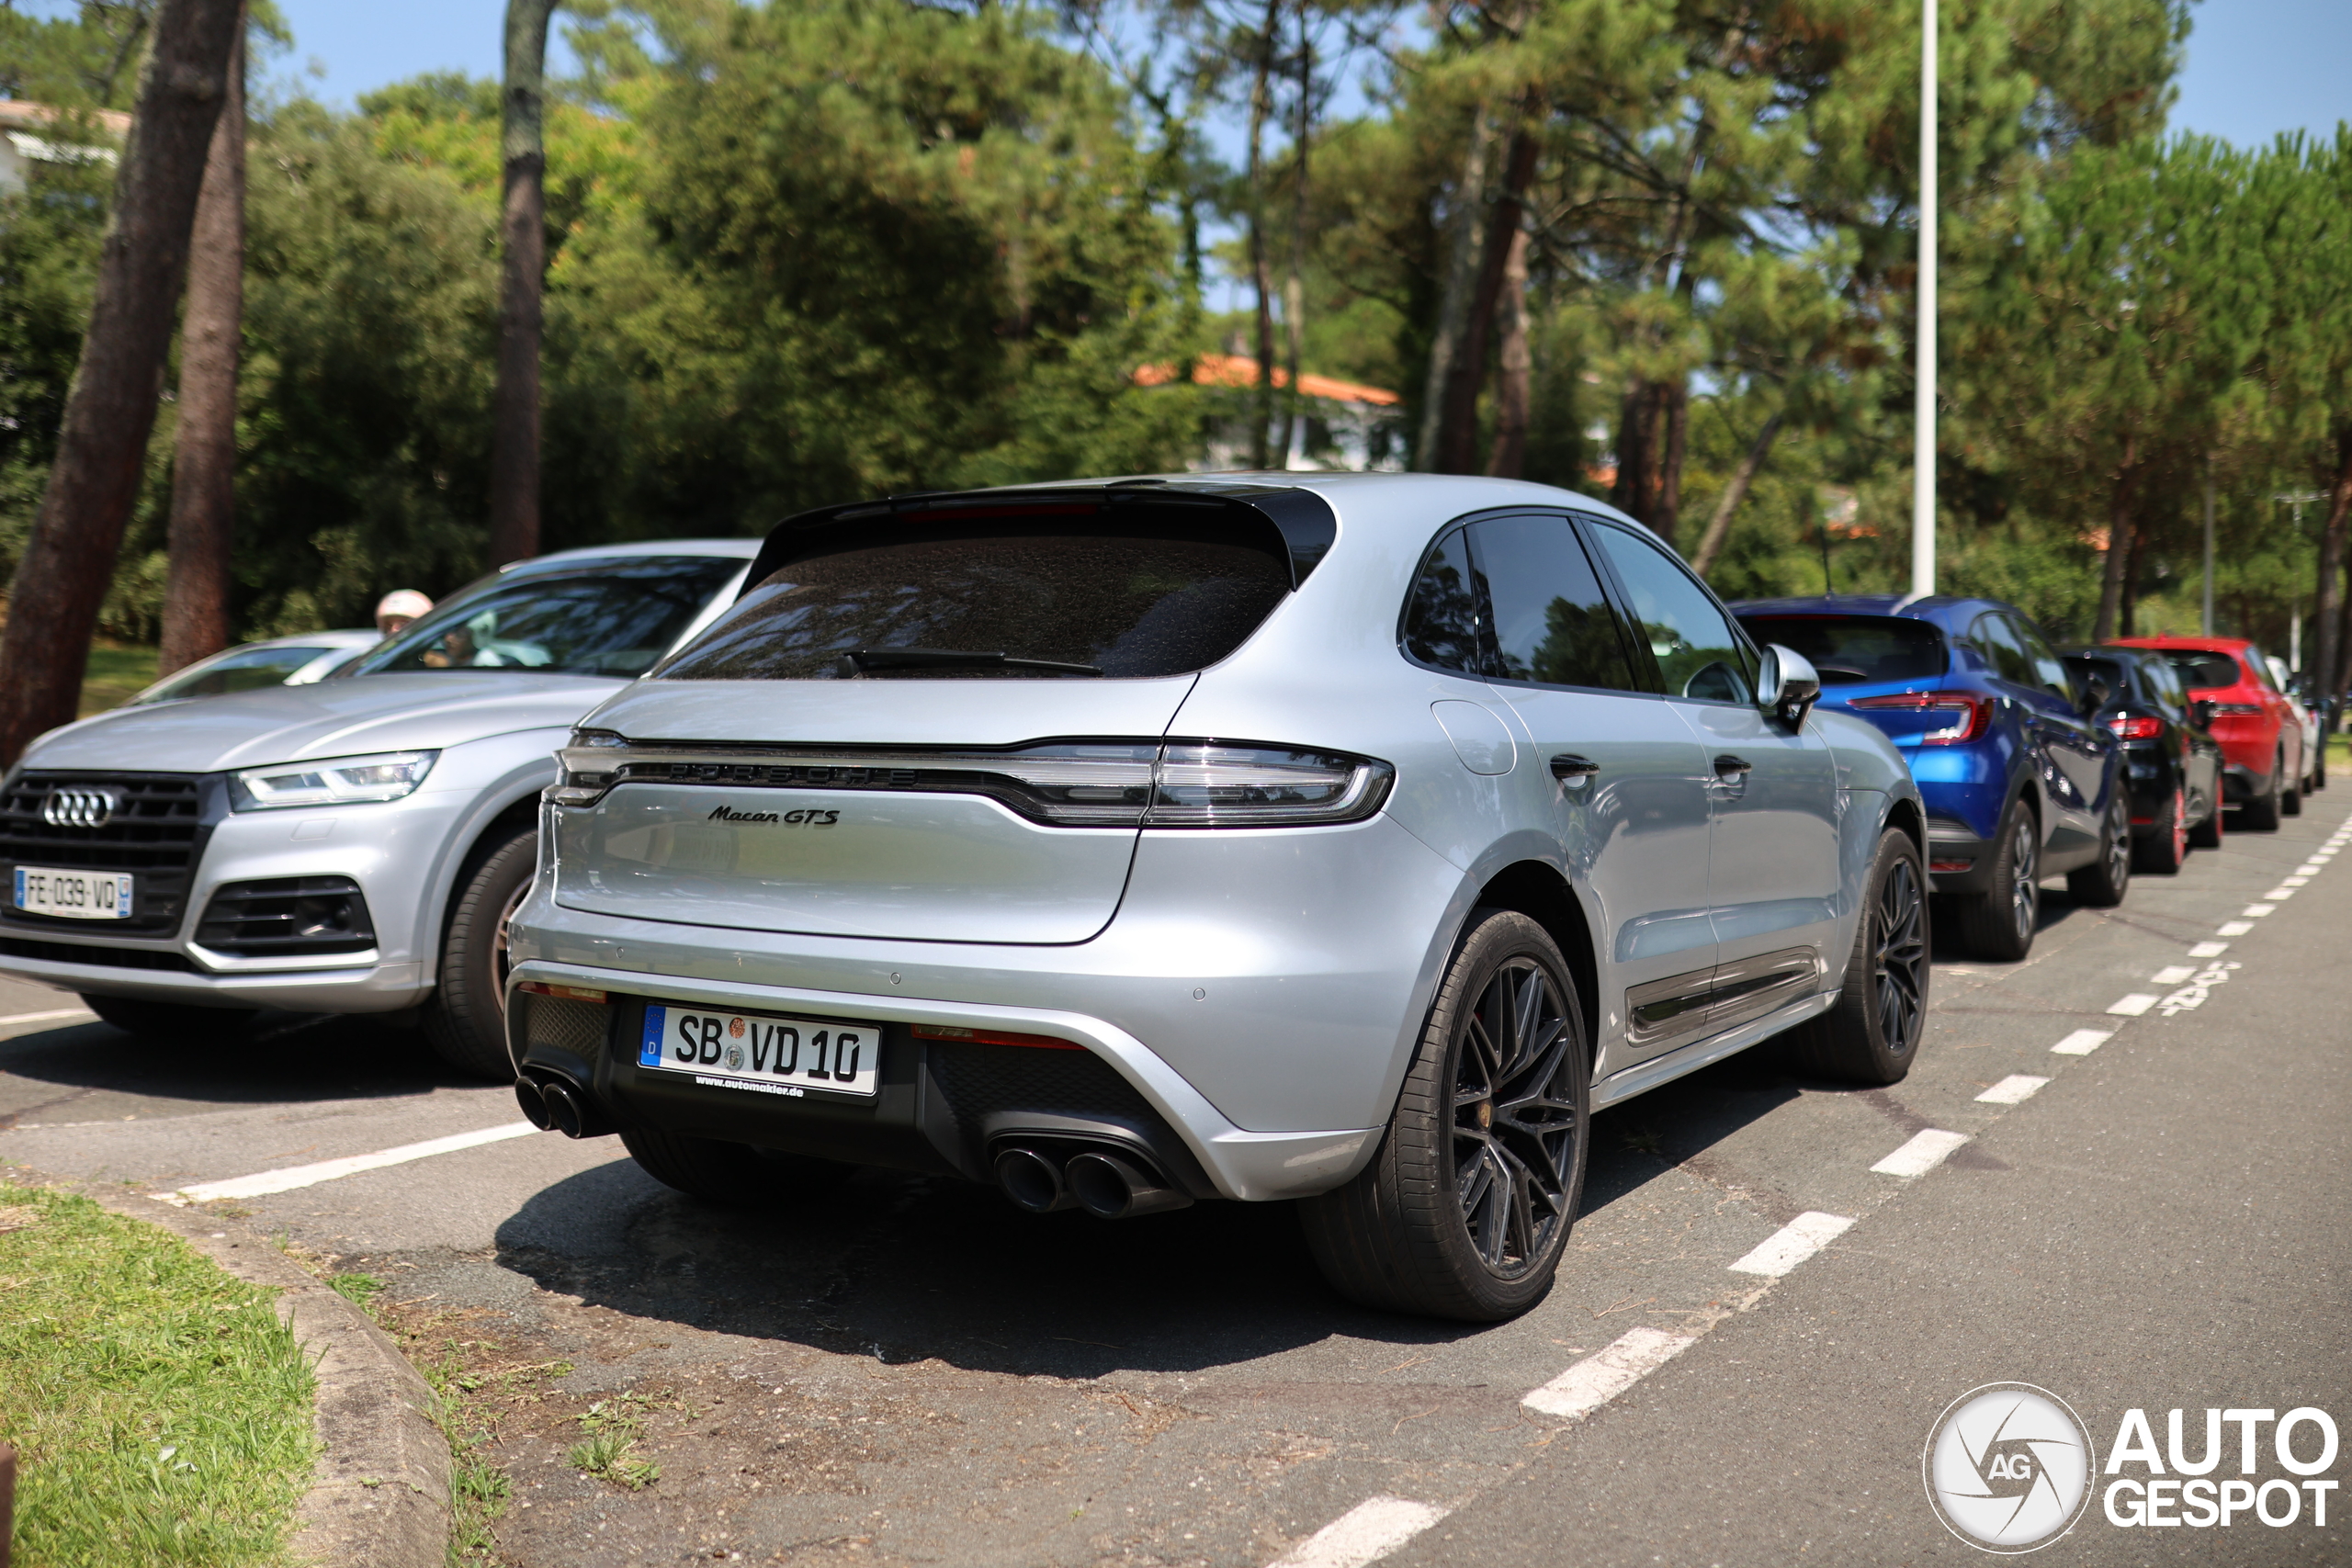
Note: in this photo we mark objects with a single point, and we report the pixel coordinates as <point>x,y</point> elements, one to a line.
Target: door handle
<point>1567,767</point>
<point>1730,767</point>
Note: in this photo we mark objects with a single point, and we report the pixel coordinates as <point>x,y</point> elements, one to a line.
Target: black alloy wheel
<point>1999,922</point>
<point>1872,1035</point>
<point>1516,1126</point>
<point>1467,1206</point>
<point>2103,884</point>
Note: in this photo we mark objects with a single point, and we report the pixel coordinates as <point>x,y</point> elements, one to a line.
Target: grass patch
<point>160,1410</point>
<point>117,673</point>
<point>607,1448</point>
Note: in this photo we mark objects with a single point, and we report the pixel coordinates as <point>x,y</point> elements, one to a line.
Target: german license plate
<point>761,1052</point>
<point>76,895</point>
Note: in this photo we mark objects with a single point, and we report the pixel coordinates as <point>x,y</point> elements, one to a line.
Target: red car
<point>2260,732</point>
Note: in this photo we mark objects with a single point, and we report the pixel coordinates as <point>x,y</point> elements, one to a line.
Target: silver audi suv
<point>1345,839</point>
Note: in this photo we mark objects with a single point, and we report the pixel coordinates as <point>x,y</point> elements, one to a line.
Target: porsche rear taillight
<point>1956,717</point>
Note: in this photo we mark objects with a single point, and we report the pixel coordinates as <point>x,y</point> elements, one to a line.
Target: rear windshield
<point>2203,671</point>
<point>1145,592</point>
<point>2112,671</point>
<point>242,671</point>
<point>1856,650</point>
<point>609,617</point>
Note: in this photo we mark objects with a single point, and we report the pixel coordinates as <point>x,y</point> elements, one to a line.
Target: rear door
<point>1772,868</point>
<point>1617,772</point>
<point>2070,750</point>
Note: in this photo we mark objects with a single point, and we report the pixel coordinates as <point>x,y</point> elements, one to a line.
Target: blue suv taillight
<point>1946,718</point>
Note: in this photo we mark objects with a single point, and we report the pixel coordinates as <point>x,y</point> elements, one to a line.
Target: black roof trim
<point>1304,519</point>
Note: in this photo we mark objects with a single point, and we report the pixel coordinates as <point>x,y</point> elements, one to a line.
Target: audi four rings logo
<point>80,807</point>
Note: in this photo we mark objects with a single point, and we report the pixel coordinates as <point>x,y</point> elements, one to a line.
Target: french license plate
<point>761,1052</point>
<point>76,895</point>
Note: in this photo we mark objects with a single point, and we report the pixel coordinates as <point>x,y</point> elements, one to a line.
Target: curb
<point>379,1493</point>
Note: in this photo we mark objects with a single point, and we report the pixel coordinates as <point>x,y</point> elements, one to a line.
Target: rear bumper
<point>2240,784</point>
<point>1958,861</point>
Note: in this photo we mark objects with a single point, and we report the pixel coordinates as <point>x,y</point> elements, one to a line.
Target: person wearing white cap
<point>396,610</point>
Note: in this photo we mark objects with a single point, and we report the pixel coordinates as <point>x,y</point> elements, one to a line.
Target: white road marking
<point>1793,1244</point>
<point>2015,1090</point>
<point>2208,950</point>
<point>1365,1534</point>
<point>2314,866</point>
<point>2256,911</point>
<point>48,1016</point>
<point>2133,1005</point>
<point>2279,896</point>
<point>2297,881</point>
<point>1616,1367</point>
<point>2083,1042</point>
<point>292,1176</point>
<point>2235,928</point>
<point>2171,974</point>
<point>1925,1151</point>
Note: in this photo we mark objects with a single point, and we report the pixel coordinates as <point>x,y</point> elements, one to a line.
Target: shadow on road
<point>281,1058</point>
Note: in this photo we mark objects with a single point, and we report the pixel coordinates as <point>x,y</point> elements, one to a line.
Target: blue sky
<point>2255,67</point>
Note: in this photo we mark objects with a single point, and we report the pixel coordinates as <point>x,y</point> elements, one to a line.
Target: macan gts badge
<point>1345,839</point>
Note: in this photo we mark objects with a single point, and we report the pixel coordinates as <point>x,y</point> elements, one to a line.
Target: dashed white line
<point>1926,1151</point>
<point>2235,928</point>
<point>2133,1006</point>
<point>297,1176</point>
<point>2280,894</point>
<point>1793,1244</point>
<point>1618,1365</point>
<point>2083,1042</point>
<point>2208,950</point>
<point>1365,1534</point>
<point>2015,1090</point>
<point>48,1016</point>
<point>2173,973</point>
<point>2256,911</point>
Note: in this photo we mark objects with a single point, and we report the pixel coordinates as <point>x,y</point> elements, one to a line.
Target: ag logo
<point>2008,1467</point>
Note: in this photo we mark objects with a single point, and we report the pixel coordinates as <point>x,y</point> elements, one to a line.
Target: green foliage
<point>160,1410</point>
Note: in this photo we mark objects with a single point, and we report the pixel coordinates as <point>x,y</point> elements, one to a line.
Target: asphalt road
<point>904,1370</point>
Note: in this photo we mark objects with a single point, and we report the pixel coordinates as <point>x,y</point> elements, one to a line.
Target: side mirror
<point>2095,695</point>
<point>1787,685</point>
<point>2201,713</point>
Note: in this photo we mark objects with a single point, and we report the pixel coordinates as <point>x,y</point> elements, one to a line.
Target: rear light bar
<point>1971,713</point>
<point>2135,727</point>
<point>992,1037</point>
<point>1063,783</point>
<point>568,993</point>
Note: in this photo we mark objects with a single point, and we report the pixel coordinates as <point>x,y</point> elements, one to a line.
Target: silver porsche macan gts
<point>1344,838</point>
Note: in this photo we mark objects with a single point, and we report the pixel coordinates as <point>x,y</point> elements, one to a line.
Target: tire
<point>2207,835</point>
<point>1454,1218</point>
<point>2102,883</point>
<point>2165,848</point>
<point>2261,815</point>
<point>733,1176</point>
<point>464,1023</point>
<point>168,1021</point>
<point>2291,799</point>
<point>1998,923</point>
<point>1873,1035</point>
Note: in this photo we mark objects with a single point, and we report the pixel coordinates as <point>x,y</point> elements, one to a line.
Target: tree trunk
<point>1465,256</point>
<point>2119,548</point>
<point>1711,542</point>
<point>1262,419</point>
<point>204,467</point>
<point>93,479</point>
<point>2326,615</point>
<point>1665,517</point>
<point>1457,443</point>
<point>1514,366</point>
<point>1652,432</point>
<point>1295,285</point>
<point>514,413</point>
<point>2127,614</point>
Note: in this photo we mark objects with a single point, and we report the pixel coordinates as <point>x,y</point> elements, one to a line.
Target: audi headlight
<point>334,781</point>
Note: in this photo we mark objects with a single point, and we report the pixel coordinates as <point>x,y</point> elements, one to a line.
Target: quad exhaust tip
<point>554,1104</point>
<point>1101,1183</point>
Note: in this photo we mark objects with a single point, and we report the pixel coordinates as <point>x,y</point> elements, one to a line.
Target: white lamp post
<point>1923,456</point>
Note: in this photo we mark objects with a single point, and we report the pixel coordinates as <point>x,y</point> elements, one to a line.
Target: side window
<point>1441,620</point>
<point>1552,624</point>
<point>2258,665</point>
<point>2049,669</point>
<point>1993,635</point>
<point>1699,654</point>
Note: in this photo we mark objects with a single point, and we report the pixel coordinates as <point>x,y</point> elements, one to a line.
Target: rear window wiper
<point>858,660</point>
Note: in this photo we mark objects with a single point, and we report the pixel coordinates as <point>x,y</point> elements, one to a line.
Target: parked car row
<point>1343,839</point>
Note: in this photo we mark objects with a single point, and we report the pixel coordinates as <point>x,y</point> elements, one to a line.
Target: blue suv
<point>2021,780</point>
